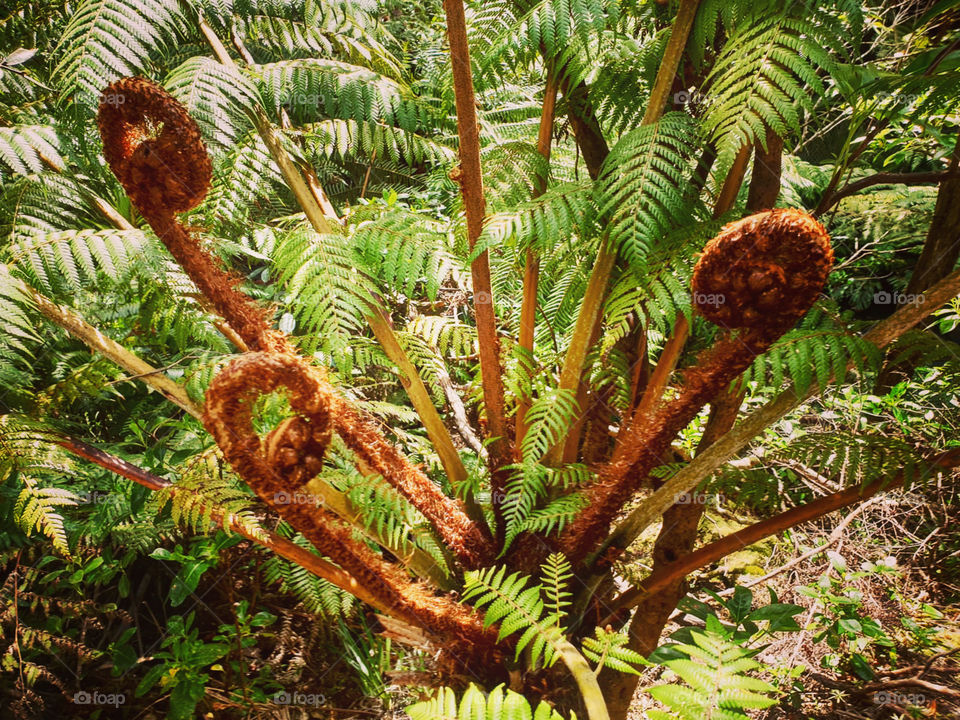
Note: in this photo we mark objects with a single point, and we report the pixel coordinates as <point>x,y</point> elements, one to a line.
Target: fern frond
<point>203,488</point>
<point>818,348</point>
<point>109,39</point>
<point>221,99</point>
<point>36,510</point>
<point>70,259</point>
<point>717,681</point>
<point>498,704</point>
<point>608,649</point>
<point>518,607</point>
<point>767,70</point>
<point>642,187</point>
<point>27,149</point>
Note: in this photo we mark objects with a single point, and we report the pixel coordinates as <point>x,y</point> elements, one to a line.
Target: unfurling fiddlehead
<point>756,278</point>
<point>155,150</point>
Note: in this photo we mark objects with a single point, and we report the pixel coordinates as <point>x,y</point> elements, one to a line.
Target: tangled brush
<point>756,278</point>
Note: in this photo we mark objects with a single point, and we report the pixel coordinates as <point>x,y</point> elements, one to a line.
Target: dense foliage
<point>139,566</point>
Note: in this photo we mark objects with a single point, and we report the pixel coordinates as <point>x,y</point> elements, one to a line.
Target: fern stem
<point>531,270</point>
<point>266,538</point>
<point>315,205</point>
<point>586,681</point>
<point>707,462</point>
<point>718,549</point>
<point>590,308</point>
<point>419,396</point>
<point>471,187</point>
<point>308,201</point>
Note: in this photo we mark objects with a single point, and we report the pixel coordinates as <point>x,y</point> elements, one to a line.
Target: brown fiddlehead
<point>155,149</point>
<point>755,279</point>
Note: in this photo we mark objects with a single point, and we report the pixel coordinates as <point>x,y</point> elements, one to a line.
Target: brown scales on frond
<point>757,277</point>
<point>228,416</point>
<point>155,150</point>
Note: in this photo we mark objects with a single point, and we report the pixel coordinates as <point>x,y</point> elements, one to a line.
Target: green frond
<point>370,142</point>
<point>202,489</point>
<point>315,30</point>
<point>561,212</point>
<point>819,347</point>
<point>608,649</point>
<point>716,681</point>
<point>498,704</point>
<point>519,607</point>
<point>36,510</point>
<point>43,203</point>
<point>311,89</point>
<point>328,294</point>
<point>20,334</point>
<point>66,261</point>
<point>767,72</point>
<point>317,595</point>
<point>851,459</point>
<point>109,39</point>
<point>30,149</point>
<point>402,249</point>
<point>221,99</point>
<point>243,182</point>
<point>642,191</point>
<point>449,336</point>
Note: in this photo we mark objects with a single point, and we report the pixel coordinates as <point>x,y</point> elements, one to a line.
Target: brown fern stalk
<point>757,277</point>
<point>228,416</point>
<point>154,148</point>
<point>471,186</point>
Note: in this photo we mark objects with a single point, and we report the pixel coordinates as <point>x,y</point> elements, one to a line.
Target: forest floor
<point>884,565</point>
